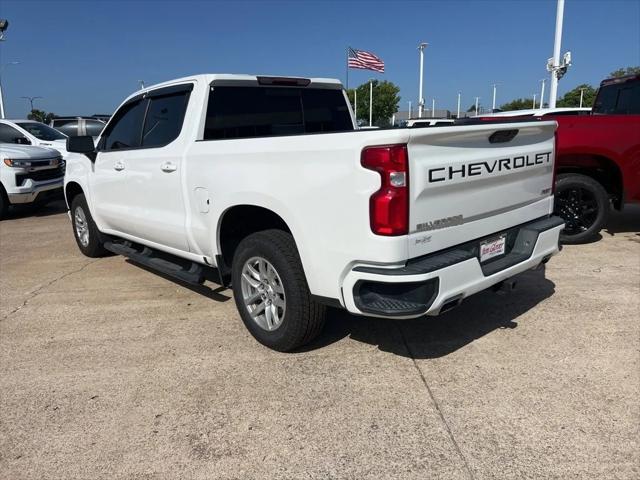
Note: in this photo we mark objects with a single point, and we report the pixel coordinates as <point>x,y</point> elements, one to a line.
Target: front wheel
<point>271,292</point>
<point>583,204</point>
<point>85,230</point>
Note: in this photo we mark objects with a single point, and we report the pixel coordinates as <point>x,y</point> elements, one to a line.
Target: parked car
<point>267,185</point>
<point>30,132</point>
<point>29,175</point>
<point>429,122</point>
<point>78,126</point>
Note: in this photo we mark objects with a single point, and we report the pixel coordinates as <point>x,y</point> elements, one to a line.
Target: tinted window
<point>41,131</point>
<point>9,134</point>
<point>241,112</point>
<point>93,127</point>
<point>164,119</point>
<point>621,98</point>
<point>124,130</point>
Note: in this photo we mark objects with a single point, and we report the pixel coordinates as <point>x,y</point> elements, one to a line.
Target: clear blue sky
<point>84,57</point>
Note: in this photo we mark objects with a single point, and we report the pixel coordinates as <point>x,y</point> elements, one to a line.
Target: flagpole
<point>347,68</point>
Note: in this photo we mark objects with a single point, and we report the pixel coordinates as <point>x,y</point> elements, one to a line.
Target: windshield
<point>41,131</point>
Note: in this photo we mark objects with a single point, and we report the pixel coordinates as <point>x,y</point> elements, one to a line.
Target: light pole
<point>433,107</point>
<point>493,104</point>
<point>141,82</point>
<point>421,47</point>
<point>355,104</point>
<point>458,116</point>
<point>556,68</point>
<point>534,100</point>
<point>581,96</point>
<point>4,24</point>
<point>371,102</point>
<point>543,81</point>
<point>477,98</point>
<point>409,116</point>
<point>31,99</point>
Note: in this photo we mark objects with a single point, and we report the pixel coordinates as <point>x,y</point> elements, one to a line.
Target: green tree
<point>517,104</point>
<point>621,72</point>
<point>572,97</point>
<point>386,100</point>
<point>40,116</point>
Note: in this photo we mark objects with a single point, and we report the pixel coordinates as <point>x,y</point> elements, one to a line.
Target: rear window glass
<point>620,98</point>
<point>243,112</point>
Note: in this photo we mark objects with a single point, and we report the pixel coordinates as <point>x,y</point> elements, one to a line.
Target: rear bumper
<point>424,285</point>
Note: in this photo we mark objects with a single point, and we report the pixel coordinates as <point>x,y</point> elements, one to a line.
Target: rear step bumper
<point>437,282</point>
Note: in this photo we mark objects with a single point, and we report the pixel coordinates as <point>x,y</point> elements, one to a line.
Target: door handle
<point>119,166</point>
<point>169,167</point>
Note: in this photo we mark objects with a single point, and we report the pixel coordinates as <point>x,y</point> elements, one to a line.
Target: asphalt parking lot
<point>111,371</point>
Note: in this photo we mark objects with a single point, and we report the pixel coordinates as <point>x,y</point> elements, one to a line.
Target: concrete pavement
<point>111,371</point>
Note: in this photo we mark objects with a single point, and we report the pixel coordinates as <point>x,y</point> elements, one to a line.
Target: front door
<point>145,197</point>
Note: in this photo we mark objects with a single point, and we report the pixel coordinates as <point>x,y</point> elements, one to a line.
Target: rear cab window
<point>618,96</point>
<point>259,111</point>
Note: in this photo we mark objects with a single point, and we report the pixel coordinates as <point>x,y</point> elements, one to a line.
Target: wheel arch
<point>71,190</point>
<point>600,168</point>
<point>239,221</point>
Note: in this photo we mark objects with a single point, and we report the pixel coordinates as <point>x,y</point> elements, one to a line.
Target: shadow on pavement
<point>627,221</point>
<point>55,207</point>
<point>434,337</point>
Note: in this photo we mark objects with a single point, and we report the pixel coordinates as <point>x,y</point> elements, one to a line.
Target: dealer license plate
<point>492,248</point>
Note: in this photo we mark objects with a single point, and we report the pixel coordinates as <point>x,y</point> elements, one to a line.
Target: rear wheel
<point>584,206</point>
<point>271,292</point>
<point>85,231</point>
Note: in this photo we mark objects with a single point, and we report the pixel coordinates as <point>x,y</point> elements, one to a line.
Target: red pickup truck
<point>598,159</point>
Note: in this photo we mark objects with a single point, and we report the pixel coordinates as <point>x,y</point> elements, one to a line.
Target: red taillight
<point>389,206</point>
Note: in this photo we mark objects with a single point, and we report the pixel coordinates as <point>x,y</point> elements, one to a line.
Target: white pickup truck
<point>29,175</point>
<point>264,184</point>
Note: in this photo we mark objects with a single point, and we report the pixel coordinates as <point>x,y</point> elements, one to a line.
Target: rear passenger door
<point>149,194</point>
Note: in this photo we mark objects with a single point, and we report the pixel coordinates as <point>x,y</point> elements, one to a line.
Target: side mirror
<point>82,145</point>
<point>22,141</point>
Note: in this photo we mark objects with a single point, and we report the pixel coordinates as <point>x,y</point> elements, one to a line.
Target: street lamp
<point>31,99</point>
<point>493,105</point>
<point>477,98</point>
<point>459,93</point>
<point>421,47</point>
<point>2,115</point>
<point>4,24</point>
<point>543,81</point>
<point>534,100</point>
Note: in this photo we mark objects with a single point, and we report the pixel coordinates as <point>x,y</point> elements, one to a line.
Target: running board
<point>183,270</point>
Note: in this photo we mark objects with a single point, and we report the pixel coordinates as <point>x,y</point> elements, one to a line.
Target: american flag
<point>365,60</point>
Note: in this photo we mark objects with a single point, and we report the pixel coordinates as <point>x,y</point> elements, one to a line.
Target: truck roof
<point>227,78</point>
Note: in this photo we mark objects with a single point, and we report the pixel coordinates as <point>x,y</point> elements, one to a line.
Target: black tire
<point>4,203</point>
<point>93,246</point>
<point>584,205</point>
<point>302,319</point>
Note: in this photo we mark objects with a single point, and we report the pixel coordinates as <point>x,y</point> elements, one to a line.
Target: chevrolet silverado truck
<point>266,185</point>
<point>29,175</point>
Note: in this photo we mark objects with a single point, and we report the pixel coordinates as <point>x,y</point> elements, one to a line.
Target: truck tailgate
<point>466,182</point>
